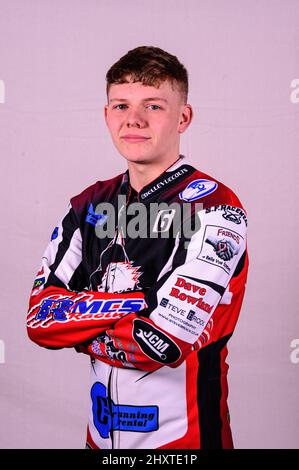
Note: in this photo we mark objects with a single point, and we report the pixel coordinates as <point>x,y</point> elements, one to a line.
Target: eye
<point>115,107</point>
<point>155,106</point>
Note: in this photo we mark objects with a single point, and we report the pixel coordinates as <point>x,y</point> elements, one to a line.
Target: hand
<point>225,250</point>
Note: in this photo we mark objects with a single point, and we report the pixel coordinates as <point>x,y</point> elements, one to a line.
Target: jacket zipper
<point>110,406</point>
<point>111,372</point>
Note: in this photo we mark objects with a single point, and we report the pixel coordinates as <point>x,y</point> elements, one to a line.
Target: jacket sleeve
<point>62,312</point>
<point>181,306</point>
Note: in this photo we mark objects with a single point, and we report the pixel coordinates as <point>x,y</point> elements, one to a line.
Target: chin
<point>130,157</point>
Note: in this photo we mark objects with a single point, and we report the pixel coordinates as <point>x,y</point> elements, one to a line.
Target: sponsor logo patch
<point>230,213</point>
<point>173,308</point>
<point>121,276</point>
<point>220,246</point>
<point>54,233</point>
<point>93,218</point>
<point>107,416</point>
<point>232,217</point>
<point>164,302</point>
<point>192,317</point>
<point>64,309</point>
<point>162,183</point>
<point>38,282</point>
<point>197,189</point>
<point>183,290</point>
<point>154,343</point>
<point>104,345</point>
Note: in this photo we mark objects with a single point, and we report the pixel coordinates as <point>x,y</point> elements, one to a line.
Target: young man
<point>155,311</point>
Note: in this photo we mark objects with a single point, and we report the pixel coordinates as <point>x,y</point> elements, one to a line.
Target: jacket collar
<point>177,172</point>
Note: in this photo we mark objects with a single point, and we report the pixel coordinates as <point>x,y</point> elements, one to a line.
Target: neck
<point>141,174</point>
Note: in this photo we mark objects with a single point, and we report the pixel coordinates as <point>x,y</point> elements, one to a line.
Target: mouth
<point>135,140</point>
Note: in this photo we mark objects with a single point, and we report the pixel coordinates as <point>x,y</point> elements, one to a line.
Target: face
<point>155,115</point>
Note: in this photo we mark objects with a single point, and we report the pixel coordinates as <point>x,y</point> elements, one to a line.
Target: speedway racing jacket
<point>154,313</point>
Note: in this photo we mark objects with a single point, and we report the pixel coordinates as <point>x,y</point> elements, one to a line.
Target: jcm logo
<point>154,343</point>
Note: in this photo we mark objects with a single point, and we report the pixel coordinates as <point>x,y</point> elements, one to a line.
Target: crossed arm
<point>121,329</point>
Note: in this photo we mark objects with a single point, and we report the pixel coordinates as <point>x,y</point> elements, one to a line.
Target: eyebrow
<point>155,98</point>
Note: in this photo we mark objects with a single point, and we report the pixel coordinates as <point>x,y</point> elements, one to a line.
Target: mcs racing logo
<point>65,309</point>
<point>154,343</point>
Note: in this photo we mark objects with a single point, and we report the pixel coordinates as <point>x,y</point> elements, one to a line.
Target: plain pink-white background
<point>242,56</point>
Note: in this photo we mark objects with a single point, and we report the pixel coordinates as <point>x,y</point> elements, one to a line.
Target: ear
<point>105,113</point>
<point>185,118</point>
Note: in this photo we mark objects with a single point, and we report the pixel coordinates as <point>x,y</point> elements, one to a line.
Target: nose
<point>135,119</point>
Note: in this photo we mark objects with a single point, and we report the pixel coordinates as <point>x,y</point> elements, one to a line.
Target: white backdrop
<point>242,58</point>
